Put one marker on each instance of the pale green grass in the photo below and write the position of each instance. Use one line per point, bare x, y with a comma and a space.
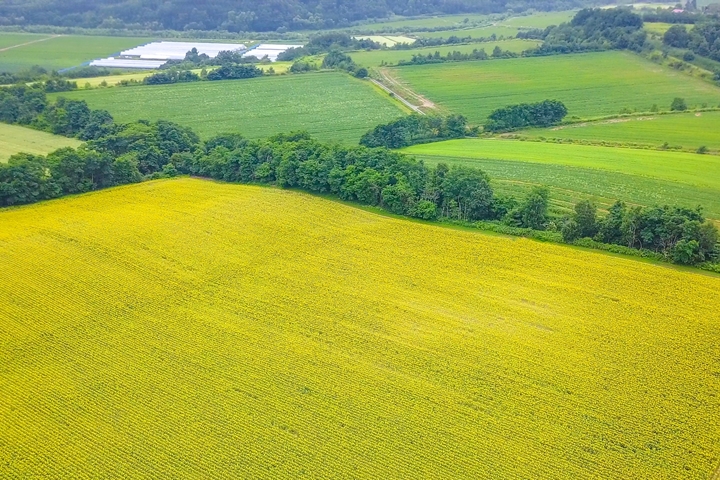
688, 130
14, 139
8, 40
332, 106
540, 19
478, 32
605, 174
449, 21
590, 85
375, 58
657, 28
388, 40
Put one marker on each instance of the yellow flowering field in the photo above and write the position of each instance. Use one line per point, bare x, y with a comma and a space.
192, 329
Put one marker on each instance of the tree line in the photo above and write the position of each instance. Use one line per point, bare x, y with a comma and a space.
414, 129
541, 114
456, 56
591, 30
117, 154
703, 39
680, 234
243, 15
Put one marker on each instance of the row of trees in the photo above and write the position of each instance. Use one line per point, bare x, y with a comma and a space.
373, 176
414, 129
681, 234
456, 56
542, 114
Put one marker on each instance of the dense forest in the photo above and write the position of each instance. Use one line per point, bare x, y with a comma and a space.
243, 15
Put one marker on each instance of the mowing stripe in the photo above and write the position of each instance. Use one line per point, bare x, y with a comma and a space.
29, 43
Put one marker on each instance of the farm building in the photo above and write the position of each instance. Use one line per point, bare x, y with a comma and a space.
156, 54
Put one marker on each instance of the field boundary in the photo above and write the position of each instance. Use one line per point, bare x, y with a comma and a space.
398, 97
29, 43
716, 475
390, 83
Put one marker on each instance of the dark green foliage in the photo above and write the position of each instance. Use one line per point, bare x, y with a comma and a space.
583, 224
171, 76
592, 30
679, 234
532, 212
678, 104
542, 114
703, 39
338, 60
414, 129
234, 72
455, 56
302, 67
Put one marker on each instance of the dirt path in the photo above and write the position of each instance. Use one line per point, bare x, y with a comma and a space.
418, 102
397, 96
29, 43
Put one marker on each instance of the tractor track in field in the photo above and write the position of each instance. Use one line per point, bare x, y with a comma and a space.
29, 43
407, 96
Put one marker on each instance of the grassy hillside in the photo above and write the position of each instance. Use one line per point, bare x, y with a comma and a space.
374, 58
189, 328
64, 51
589, 84
14, 139
331, 106
688, 130
607, 174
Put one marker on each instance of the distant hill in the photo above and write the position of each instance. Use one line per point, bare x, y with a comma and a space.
243, 15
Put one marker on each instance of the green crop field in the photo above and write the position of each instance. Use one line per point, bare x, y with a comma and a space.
448, 21
644, 177
64, 51
590, 85
688, 130
540, 19
14, 139
331, 106
374, 58
477, 32
12, 40
194, 329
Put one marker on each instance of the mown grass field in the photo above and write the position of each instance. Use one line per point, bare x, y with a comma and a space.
14, 139
188, 328
540, 19
606, 174
688, 130
657, 28
65, 51
476, 32
8, 40
590, 85
331, 106
423, 22
374, 58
